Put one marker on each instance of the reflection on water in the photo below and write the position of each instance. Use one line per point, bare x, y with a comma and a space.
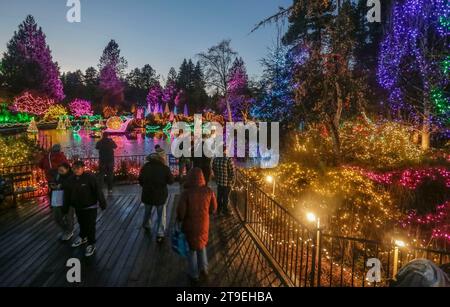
83, 145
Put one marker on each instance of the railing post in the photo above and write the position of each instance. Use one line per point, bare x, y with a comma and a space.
246, 202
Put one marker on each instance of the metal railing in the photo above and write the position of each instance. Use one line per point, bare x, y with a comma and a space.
126, 171
306, 257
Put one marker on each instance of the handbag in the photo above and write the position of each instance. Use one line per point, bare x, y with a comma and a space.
179, 242
57, 198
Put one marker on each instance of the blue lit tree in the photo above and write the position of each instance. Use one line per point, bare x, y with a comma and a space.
410, 63
277, 100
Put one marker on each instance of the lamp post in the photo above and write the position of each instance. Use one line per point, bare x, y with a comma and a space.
271, 180
398, 244
312, 218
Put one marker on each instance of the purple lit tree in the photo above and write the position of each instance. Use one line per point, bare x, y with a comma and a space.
410, 62
238, 91
28, 64
154, 97
111, 67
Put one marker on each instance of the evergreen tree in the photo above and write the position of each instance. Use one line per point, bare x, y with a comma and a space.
73, 84
276, 102
112, 66
238, 92
172, 76
28, 64
139, 82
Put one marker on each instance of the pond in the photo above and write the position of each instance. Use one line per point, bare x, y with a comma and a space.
81, 144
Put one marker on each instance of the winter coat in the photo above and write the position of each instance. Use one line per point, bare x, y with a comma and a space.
196, 204
105, 149
204, 163
84, 192
154, 178
50, 163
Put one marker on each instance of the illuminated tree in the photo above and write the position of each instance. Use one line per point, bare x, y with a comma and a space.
28, 64
80, 108
111, 67
410, 63
31, 103
154, 97
238, 92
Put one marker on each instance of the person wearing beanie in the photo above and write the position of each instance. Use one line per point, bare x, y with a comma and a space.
421, 273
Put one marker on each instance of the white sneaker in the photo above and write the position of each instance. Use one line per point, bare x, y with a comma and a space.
90, 250
66, 236
78, 242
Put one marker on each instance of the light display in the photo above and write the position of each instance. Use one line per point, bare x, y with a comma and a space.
32, 127
54, 113
7, 118
109, 111
32, 104
114, 123
16, 151
410, 49
61, 125
80, 108
440, 101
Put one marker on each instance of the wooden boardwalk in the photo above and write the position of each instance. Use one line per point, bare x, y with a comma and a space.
31, 254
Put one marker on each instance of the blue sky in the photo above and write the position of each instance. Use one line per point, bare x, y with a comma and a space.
156, 32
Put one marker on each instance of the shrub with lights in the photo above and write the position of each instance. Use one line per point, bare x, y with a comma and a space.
32, 103
16, 151
80, 108
55, 113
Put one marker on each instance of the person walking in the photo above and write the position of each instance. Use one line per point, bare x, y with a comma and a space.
85, 196
154, 178
196, 204
51, 162
64, 215
225, 175
106, 147
204, 163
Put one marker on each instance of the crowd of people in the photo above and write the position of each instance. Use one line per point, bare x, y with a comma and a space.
77, 194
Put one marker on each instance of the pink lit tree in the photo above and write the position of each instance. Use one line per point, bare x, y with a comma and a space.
80, 108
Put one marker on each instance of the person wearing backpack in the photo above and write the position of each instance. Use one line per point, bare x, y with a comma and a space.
196, 204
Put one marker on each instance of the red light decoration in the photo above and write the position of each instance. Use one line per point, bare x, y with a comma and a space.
32, 104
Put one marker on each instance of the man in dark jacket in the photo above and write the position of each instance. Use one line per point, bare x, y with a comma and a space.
86, 196
154, 178
105, 149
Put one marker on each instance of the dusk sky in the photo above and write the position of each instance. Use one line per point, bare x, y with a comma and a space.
156, 32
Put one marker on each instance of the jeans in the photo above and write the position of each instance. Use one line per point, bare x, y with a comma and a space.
87, 218
64, 220
107, 170
198, 261
223, 197
161, 219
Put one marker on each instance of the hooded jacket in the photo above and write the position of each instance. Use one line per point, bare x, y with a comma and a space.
50, 163
154, 178
196, 203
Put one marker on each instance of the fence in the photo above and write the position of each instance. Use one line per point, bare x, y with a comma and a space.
126, 171
305, 256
